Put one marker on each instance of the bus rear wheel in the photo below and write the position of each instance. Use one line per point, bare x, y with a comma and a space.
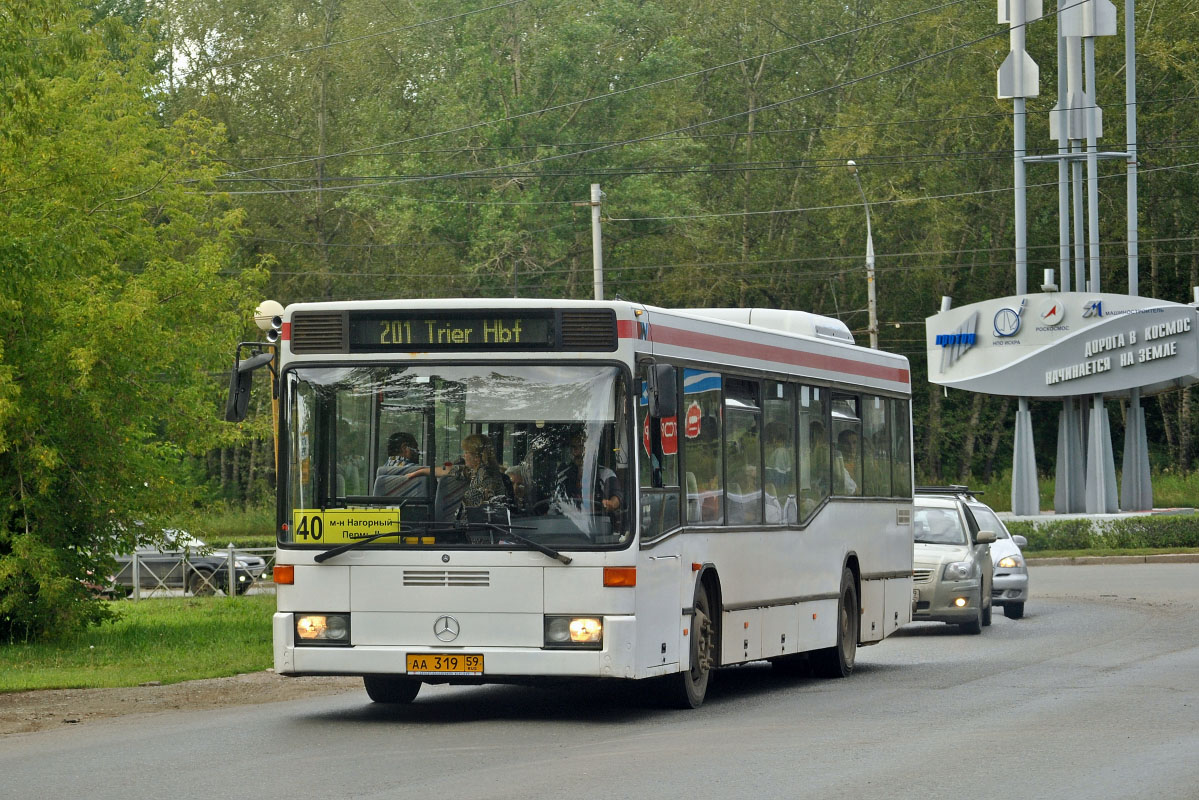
691, 686
391, 689
838, 661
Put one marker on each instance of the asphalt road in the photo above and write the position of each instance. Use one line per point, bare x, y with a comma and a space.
1094, 694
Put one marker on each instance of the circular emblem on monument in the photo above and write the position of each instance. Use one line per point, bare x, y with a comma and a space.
1007, 322
1053, 312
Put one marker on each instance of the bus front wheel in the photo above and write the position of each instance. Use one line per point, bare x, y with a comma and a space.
691, 685
391, 689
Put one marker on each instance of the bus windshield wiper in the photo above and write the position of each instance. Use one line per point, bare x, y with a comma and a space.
502, 528
325, 555
505, 528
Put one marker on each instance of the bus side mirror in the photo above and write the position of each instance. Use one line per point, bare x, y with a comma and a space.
240, 379
663, 392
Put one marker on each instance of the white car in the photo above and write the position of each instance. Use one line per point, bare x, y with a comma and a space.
1010, 588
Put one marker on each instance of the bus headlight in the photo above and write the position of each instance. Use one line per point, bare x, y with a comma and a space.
322, 629
574, 632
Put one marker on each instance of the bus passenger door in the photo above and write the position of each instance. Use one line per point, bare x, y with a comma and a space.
659, 615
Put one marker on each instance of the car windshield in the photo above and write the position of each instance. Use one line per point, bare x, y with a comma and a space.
938, 526
457, 455
987, 521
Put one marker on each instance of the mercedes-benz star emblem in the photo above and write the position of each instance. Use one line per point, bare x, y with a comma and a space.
446, 629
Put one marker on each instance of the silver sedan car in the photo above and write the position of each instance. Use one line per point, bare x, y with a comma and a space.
1010, 587
951, 564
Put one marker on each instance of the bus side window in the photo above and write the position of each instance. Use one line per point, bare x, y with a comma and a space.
876, 447
901, 449
815, 466
847, 445
743, 451
701, 442
779, 432
658, 459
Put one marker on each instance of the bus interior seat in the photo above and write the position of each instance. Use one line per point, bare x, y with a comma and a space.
449, 496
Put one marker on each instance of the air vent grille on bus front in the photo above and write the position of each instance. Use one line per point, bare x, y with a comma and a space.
589, 330
320, 332
447, 577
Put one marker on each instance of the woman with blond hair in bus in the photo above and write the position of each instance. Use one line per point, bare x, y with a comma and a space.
479, 472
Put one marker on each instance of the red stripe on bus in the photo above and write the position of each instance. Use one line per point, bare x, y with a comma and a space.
783, 355
626, 328
285, 334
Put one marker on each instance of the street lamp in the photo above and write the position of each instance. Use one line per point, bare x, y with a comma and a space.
871, 302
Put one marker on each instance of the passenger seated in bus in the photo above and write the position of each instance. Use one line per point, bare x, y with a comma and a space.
401, 476
848, 447
479, 471
605, 495
533, 477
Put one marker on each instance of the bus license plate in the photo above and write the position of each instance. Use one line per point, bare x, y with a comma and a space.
445, 664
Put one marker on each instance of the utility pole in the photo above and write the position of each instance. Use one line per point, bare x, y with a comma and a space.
597, 242
871, 300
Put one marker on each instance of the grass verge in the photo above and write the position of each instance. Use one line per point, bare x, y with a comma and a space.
165, 639
220, 525
1108, 551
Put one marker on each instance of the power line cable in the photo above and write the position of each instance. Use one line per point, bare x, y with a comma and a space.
734, 134
703, 123
616, 92
873, 203
837, 162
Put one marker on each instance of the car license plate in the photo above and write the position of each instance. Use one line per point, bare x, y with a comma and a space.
445, 664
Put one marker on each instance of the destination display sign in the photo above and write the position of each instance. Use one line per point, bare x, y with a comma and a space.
1062, 344
383, 331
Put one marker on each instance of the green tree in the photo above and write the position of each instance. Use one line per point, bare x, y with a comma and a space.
116, 307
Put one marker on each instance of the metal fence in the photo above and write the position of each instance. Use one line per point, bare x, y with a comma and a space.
248, 570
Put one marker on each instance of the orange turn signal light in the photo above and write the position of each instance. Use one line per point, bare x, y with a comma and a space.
284, 573
620, 576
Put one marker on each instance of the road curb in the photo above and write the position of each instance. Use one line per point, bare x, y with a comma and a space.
1164, 558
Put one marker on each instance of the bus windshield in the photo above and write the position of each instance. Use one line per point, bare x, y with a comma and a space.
458, 455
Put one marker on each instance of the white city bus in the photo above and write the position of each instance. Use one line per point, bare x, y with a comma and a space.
475, 491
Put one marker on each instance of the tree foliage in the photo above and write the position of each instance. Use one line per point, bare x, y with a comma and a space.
426, 149
437, 149
115, 307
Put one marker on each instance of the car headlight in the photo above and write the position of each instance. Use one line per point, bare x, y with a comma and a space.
322, 629
585, 633
958, 571
1010, 562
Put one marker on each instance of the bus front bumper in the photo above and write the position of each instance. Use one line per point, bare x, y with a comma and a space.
614, 660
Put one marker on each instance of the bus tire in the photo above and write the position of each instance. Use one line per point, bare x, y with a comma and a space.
691, 685
391, 689
838, 661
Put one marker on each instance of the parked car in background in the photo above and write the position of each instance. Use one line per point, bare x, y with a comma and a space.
951, 561
187, 563
1010, 587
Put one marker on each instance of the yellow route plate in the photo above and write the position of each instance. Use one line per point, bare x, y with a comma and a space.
445, 664
343, 525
